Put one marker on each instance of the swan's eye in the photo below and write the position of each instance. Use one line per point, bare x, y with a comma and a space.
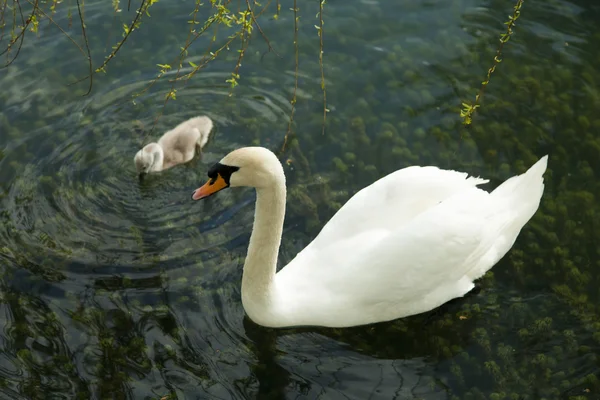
222, 170
218, 179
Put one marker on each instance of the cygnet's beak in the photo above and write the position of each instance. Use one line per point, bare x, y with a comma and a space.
211, 187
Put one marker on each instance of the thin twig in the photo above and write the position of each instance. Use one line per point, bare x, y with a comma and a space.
263, 9
212, 57
87, 46
110, 31
243, 34
129, 30
2, 23
188, 42
21, 35
209, 22
202, 65
119, 45
245, 39
14, 24
469, 109
50, 19
180, 58
260, 29
182, 55
321, 2
293, 101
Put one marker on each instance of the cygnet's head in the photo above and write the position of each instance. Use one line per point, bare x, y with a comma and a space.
145, 158
249, 166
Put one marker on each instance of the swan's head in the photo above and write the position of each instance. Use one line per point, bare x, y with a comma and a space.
145, 158
249, 166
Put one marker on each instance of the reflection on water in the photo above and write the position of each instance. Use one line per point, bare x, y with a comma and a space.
116, 288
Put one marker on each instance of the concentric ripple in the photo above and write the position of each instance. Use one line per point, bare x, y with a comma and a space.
79, 197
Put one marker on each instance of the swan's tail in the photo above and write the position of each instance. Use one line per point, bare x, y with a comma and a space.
522, 193
516, 201
204, 125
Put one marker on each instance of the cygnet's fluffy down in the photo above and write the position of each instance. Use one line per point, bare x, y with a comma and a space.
176, 146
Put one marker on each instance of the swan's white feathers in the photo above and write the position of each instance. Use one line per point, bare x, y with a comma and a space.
407, 192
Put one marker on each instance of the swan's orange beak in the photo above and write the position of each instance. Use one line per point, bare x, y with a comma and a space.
212, 186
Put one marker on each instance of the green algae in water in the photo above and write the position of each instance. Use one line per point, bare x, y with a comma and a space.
68, 225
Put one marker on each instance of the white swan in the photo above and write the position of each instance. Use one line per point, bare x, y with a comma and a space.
406, 244
176, 146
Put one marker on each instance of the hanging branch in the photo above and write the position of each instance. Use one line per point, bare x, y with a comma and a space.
128, 30
87, 47
244, 20
293, 101
51, 20
259, 28
221, 17
469, 109
2, 21
135, 23
25, 24
320, 30
246, 23
165, 67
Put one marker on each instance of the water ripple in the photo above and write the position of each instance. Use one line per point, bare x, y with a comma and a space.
79, 197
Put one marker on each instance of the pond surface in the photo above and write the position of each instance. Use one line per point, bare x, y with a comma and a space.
112, 288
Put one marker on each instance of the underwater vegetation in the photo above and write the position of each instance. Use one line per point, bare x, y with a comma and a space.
115, 289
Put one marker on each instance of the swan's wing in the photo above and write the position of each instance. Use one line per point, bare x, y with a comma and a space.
179, 144
433, 250
436, 248
392, 201
189, 133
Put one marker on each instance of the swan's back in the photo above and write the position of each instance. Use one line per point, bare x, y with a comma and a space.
391, 201
188, 134
180, 143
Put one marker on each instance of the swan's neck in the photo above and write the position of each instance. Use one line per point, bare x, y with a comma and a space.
261, 260
158, 157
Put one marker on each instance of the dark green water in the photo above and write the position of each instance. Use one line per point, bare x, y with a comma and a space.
115, 289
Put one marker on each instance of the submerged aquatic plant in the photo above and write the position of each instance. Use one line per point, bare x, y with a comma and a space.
531, 333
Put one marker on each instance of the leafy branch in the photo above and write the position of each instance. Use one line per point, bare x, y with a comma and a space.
164, 68
24, 26
222, 16
135, 24
87, 47
241, 21
468, 110
245, 20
